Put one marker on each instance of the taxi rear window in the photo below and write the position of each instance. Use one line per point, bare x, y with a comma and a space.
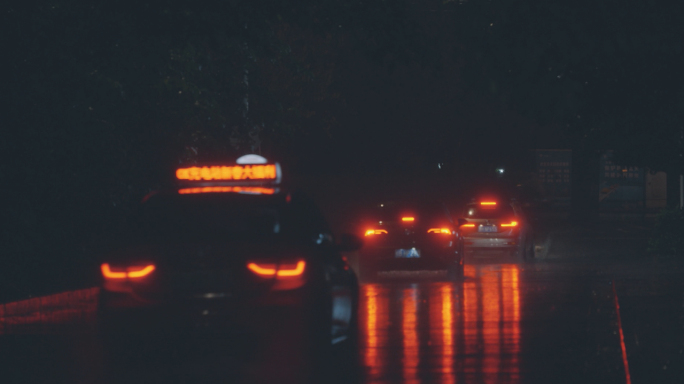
216, 217
475, 211
423, 213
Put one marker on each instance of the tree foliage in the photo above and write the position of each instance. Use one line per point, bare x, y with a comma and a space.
608, 71
105, 97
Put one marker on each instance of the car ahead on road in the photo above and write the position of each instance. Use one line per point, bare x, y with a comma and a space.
492, 224
230, 253
410, 236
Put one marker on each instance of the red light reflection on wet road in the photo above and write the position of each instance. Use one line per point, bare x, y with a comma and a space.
471, 333
410, 336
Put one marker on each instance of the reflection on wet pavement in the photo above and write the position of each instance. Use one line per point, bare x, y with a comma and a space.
450, 332
534, 323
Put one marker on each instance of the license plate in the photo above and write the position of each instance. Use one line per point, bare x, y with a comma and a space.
410, 253
487, 228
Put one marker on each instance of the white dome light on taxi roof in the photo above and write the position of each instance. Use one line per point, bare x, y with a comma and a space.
251, 159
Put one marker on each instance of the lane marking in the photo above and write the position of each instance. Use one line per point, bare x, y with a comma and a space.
628, 378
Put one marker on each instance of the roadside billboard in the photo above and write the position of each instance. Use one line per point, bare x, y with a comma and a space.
553, 175
621, 188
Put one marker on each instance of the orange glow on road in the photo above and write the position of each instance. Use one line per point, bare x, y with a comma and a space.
447, 335
408, 219
492, 304
372, 326
625, 361
233, 172
130, 272
248, 190
444, 231
491, 312
410, 336
376, 317
465, 332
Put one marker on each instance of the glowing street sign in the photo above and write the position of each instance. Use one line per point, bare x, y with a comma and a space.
232, 172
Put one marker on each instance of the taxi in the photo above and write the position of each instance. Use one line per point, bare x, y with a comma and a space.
228, 251
401, 236
492, 224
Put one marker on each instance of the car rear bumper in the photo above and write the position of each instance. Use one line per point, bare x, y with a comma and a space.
491, 242
385, 259
124, 313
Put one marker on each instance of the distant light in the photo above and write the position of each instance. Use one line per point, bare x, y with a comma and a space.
500, 171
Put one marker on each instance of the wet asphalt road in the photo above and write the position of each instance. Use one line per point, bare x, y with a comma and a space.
580, 314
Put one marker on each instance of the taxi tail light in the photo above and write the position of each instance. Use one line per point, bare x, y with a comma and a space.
371, 232
468, 226
284, 269
132, 272
443, 231
511, 224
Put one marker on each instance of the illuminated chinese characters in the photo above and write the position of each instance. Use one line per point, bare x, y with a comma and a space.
233, 172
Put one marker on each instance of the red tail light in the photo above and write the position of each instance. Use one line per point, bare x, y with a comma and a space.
126, 272
445, 231
408, 219
371, 232
466, 226
285, 269
511, 224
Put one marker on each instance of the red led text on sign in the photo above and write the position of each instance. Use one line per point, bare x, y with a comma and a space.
233, 172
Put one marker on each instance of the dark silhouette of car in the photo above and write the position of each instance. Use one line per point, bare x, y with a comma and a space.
410, 236
243, 261
492, 224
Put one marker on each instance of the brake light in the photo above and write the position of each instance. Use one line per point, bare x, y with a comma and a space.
511, 224
488, 203
445, 231
468, 225
281, 270
130, 272
371, 232
408, 219
286, 270
263, 269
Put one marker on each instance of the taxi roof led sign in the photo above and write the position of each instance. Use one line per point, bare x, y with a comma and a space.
246, 172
